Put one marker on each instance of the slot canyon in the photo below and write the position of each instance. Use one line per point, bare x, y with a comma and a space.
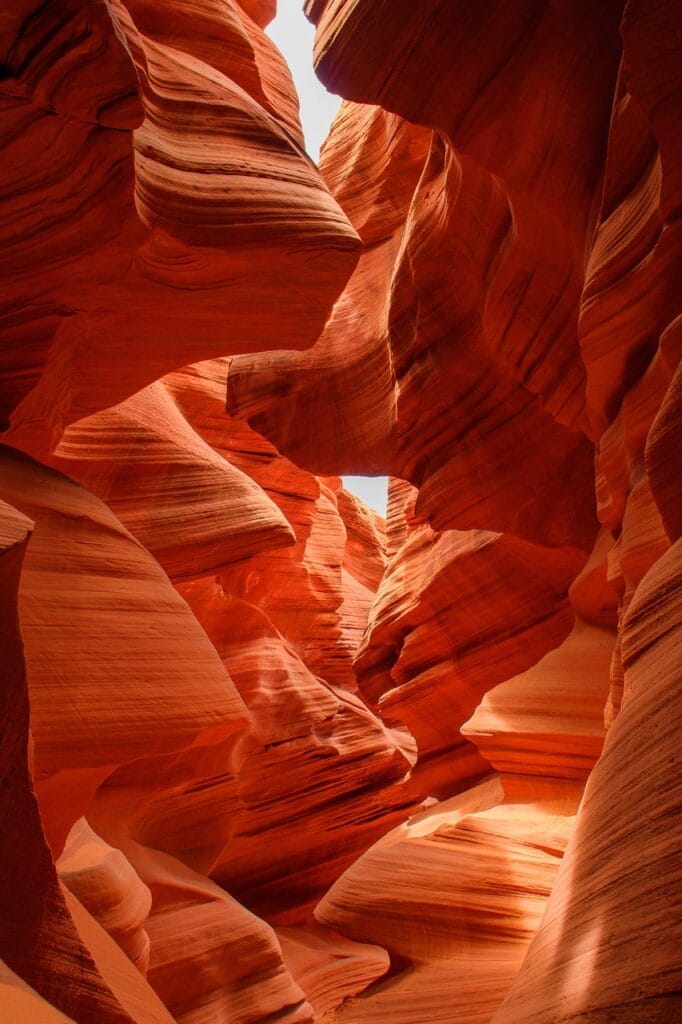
267, 756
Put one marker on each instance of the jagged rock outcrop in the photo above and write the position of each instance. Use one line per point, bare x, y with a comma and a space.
266, 756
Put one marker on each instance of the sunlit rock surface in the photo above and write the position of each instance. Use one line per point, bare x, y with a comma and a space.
266, 756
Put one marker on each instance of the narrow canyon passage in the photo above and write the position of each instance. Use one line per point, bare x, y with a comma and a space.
267, 755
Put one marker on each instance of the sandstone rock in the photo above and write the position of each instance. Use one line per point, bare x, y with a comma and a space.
163, 225
211, 958
117, 666
456, 614
44, 960
329, 968
662, 456
312, 748
193, 510
472, 267
108, 887
435, 892
384, 738
615, 882
126, 982
18, 1001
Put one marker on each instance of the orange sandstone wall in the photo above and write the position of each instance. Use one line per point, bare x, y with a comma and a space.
266, 756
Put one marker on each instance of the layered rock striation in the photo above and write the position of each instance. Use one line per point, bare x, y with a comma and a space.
267, 756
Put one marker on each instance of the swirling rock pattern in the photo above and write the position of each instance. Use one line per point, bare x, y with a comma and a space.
85, 592
42, 950
330, 968
194, 511
265, 755
142, 201
107, 885
461, 312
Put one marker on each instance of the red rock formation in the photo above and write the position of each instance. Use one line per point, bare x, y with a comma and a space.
42, 947
468, 878
211, 957
482, 254
194, 511
106, 884
18, 1001
102, 623
318, 592
287, 761
617, 879
601, 900
310, 747
457, 613
482, 107
136, 201
455, 894
330, 968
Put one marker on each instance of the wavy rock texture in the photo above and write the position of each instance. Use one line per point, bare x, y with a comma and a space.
42, 950
102, 623
603, 897
113, 652
210, 958
107, 885
455, 895
444, 276
457, 612
194, 511
318, 592
286, 625
571, 971
161, 226
489, 282
266, 756
330, 968
310, 747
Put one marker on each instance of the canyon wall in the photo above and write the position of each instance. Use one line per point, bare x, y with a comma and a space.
267, 756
